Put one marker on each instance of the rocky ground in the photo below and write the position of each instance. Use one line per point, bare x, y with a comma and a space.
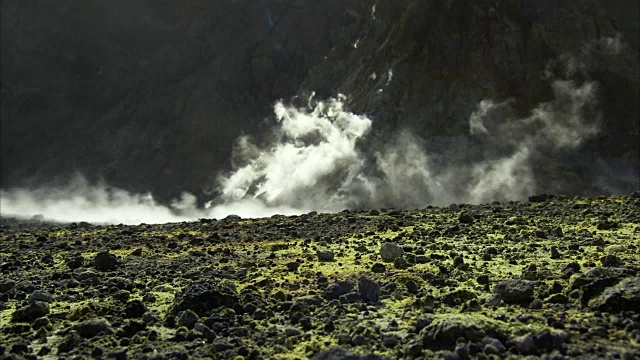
552, 277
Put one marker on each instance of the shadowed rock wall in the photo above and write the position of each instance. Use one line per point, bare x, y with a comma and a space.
149, 95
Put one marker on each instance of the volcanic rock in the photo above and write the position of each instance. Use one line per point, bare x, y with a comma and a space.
515, 291
390, 252
204, 296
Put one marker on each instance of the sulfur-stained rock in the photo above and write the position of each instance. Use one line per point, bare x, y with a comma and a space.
515, 291
624, 296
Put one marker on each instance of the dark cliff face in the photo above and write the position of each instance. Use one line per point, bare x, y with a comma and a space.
150, 95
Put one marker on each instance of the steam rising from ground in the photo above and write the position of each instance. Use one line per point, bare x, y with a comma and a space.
321, 158
81, 201
316, 163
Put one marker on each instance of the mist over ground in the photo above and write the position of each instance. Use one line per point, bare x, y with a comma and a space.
369, 115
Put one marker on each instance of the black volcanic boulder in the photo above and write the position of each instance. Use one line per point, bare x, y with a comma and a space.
516, 291
443, 332
624, 296
105, 261
34, 310
338, 289
595, 281
204, 296
369, 290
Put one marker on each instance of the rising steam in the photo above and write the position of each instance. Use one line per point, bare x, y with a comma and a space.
317, 160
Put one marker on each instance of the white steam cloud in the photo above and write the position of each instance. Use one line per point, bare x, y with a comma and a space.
81, 201
315, 162
320, 159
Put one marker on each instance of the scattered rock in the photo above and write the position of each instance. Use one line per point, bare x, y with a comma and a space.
28, 313
41, 322
105, 261
624, 296
390, 252
378, 268
482, 279
515, 291
75, 261
135, 309
40, 295
524, 344
342, 354
220, 344
187, 319
90, 328
334, 291
465, 218
400, 263
557, 299
444, 332
325, 255
369, 290
69, 342
204, 296
7, 285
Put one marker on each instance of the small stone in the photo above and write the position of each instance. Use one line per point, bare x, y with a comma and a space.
118, 354
378, 268
325, 255
40, 295
524, 344
491, 250
34, 310
105, 261
390, 252
493, 300
557, 299
400, 263
389, 340
610, 261
187, 319
624, 296
465, 218
497, 344
150, 318
69, 342
359, 340
293, 266
515, 291
535, 304
41, 322
444, 332
482, 279
490, 350
203, 296
369, 290
220, 344
7, 285
75, 261
90, 328
412, 287
458, 261
334, 291
555, 254
135, 309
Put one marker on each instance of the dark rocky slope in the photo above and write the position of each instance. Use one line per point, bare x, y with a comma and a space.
150, 95
549, 278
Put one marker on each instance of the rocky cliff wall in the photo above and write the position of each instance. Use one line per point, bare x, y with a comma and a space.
150, 95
